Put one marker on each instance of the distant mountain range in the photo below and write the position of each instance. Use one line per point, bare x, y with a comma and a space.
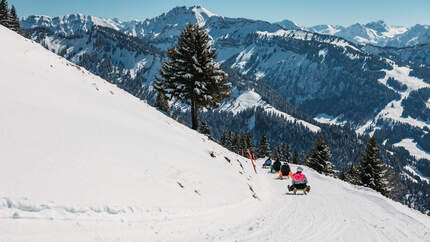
328, 79
375, 33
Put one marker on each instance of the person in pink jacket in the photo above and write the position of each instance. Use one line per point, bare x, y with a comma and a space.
299, 181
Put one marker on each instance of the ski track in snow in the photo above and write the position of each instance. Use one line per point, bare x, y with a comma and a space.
333, 211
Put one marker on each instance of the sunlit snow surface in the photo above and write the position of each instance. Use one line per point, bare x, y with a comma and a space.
82, 160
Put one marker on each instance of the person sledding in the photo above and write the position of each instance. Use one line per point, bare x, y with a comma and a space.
276, 166
267, 163
285, 171
299, 182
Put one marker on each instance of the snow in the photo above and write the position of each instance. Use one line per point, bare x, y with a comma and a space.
393, 110
322, 53
413, 148
394, 30
417, 173
259, 75
302, 35
200, 12
328, 119
250, 99
243, 58
83, 160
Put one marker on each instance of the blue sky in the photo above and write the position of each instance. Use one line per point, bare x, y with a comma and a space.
303, 12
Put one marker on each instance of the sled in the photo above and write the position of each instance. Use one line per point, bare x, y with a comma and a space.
303, 190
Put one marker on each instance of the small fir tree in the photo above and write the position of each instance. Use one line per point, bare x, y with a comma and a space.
225, 139
205, 129
250, 142
14, 21
161, 103
319, 158
243, 144
235, 143
276, 153
285, 152
351, 175
264, 147
191, 74
296, 158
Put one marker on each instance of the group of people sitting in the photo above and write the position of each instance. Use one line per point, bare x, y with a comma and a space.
299, 180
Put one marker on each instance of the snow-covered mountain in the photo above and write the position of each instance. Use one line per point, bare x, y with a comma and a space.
288, 24
325, 76
83, 160
378, 33
326, 29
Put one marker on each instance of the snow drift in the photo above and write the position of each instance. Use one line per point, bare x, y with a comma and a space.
82, 160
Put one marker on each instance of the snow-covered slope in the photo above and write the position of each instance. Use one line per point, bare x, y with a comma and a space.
249, 99
69, 24
84, 161
72, 138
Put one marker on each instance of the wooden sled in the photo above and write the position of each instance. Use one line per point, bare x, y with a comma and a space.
303, 190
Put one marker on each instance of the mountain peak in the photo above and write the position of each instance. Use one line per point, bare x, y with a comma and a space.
288, 24
193, 14
202, 10
378, 26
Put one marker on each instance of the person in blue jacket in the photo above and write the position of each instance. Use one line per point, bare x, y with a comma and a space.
267, 163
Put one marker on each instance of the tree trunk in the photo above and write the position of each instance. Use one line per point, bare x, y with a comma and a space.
194, 116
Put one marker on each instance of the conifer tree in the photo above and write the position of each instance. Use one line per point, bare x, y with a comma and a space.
243, 143
161, 103
276, 154
235, 142
285, 154
191, 74
351, 175
296, 158
205, 129
263, 147
4, 13
14, 21
225, 137
371, 170
319, 158
250, 142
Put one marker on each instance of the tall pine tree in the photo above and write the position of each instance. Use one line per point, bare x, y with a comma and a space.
4, 13
263, 147
319, 158
191, 74
371, 170
14, 21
